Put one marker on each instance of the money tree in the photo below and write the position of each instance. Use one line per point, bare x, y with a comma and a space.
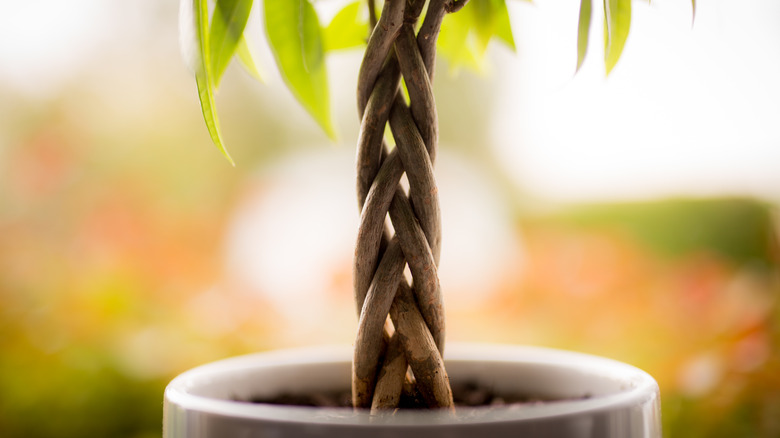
400, 337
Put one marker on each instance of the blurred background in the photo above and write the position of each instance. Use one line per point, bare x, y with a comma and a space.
632, 217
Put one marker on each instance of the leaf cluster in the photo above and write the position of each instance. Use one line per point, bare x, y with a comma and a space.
300, 43
617, 22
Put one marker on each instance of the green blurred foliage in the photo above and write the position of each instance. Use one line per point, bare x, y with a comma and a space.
739, 229
79, 392
348, 29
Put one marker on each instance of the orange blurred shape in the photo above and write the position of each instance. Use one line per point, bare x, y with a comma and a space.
41, 165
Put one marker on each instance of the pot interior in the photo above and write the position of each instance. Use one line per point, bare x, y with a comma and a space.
538, 373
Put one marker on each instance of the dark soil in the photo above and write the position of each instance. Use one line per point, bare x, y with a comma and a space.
469, 394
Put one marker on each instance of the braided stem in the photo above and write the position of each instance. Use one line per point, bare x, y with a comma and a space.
413, 338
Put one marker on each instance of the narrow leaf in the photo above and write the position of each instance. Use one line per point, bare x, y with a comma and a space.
503, 26
617, 22
248, 60
693, 14
347, 30
483, 20
466, 35
583, 32
203, 75
454, 43
490, 19
227, 29
295, 38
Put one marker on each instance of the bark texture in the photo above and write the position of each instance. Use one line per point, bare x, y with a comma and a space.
401, 326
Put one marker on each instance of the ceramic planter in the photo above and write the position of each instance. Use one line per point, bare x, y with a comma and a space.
601, 397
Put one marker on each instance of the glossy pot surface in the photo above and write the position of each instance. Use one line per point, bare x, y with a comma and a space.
600, 398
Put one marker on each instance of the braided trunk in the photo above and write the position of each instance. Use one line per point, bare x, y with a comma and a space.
412, 338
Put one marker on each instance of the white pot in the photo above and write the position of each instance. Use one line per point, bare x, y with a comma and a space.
606, 398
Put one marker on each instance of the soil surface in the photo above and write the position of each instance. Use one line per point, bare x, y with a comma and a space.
465, 395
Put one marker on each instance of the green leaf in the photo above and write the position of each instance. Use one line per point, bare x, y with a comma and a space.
227, 29
348, 29
204, 76
456, 43
583, 32
483, 20
503, 26
617, 22
466, 35
693, 15
295, 38
489, 19
247, 60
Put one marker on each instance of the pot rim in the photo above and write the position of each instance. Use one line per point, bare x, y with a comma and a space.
636, 387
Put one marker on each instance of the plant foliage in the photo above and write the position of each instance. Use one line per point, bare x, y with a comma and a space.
226, 32
300, 43
295, 37
465, 36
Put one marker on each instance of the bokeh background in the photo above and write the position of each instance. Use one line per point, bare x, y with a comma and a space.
632, 217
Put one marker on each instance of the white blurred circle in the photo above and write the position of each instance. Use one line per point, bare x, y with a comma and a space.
292, 236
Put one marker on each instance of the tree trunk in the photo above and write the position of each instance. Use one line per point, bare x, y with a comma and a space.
412, 337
